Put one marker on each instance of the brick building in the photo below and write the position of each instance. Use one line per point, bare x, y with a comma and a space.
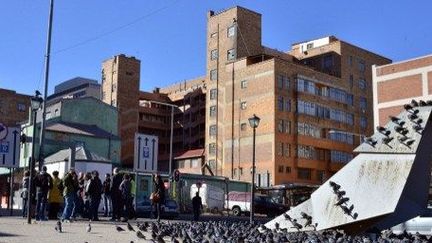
14, 107
398, 83
311, 101
145, 112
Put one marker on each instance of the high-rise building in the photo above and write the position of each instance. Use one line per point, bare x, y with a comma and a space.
398, 83
313, 102
120, 88
77, 87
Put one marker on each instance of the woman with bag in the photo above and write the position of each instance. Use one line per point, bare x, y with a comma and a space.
158, 195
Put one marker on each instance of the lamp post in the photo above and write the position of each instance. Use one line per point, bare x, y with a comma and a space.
253, 122
172, 131
36, 103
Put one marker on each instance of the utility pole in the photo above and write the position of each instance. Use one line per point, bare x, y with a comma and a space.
47, 64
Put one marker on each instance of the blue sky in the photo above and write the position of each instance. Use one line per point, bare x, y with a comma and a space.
168, 36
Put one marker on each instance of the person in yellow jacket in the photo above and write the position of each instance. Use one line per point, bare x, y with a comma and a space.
55, 197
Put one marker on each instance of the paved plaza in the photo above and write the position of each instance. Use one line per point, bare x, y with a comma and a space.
14, 229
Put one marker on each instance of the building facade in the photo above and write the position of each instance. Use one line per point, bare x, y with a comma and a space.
14, 107
398, 83
76, 88
312, 102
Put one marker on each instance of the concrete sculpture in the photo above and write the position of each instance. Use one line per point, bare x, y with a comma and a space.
385, 184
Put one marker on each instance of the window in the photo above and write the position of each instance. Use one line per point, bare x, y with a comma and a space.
328, 62
304, 174
243, 105
213, 35
350, 99
181, 164
281, 169
361, 65
56, 112
306, 152
280, 103
194, 163
320, 175
351, 81
129, 73
212, 163
212, 148
231, 31
363, 103
308, 130
284, 126
341, 136
231, 54
340, 157
21, 107
362, 84
214, 54
363, 122
287, 169
212, 130
213, 94
243, 126
286, 149
350, 60
309, 46
243, 84
212, 111
213, 74
113, 102
280, 81
288, 105
48, 115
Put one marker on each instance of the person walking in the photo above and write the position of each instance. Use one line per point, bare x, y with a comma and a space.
24, 192
85, 197
94, 189
55, 197
106, 196
158, 195
43, 184
197, 206
116, 196
125, 189
70, 184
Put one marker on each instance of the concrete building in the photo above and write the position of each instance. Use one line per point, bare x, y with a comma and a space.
311, 100
77, 87
398, 83
86, 122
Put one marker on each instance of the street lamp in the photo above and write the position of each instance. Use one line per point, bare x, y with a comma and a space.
253, 122
35, 103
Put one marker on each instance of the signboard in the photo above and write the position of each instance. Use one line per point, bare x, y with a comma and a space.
9, 146
146, 153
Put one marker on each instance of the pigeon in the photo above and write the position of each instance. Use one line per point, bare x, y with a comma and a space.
119, 229
342, 201
414, 103
88, 228
130, 228
340, 194
287, 217
410, 142
407, 107
140, 235
58, 227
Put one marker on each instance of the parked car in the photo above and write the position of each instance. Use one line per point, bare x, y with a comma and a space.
239, 202
212, 198
169, 209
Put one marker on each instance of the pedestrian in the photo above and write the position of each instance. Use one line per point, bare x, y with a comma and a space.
116, 196
158, 195
70, 184
94, 190
125, 189
197, 206
43, 184
55, 197
25, 191
78, 208
132, 212
106, 196
85, 196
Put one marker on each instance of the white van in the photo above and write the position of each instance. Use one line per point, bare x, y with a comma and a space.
212, 197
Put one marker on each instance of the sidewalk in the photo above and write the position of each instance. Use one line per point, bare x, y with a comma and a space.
16, 229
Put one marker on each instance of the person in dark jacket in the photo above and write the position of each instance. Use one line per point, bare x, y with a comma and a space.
197, 206
94, 191
43, 182
25, 191
116, 196
106, 196
125, 189
158, 195
70, 188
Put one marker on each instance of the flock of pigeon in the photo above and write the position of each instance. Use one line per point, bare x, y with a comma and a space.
241, 231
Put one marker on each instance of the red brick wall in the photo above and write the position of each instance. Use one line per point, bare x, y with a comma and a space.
400, 67
400, 88
384, 114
